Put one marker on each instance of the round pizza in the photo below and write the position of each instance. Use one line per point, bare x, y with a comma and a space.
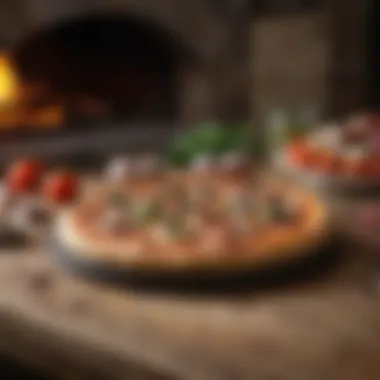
348, 152
218, 213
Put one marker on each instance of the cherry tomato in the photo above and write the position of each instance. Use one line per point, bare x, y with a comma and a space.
359, 168
301, 154
24, 175
61, 188
298, 151
328, 163
374, 121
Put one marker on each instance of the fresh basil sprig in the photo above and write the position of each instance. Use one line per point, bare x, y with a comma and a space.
214, 139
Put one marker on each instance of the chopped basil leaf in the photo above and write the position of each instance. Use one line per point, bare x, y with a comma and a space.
242, 203
278, 211
213, 139
119, 200
147, 211
175, 229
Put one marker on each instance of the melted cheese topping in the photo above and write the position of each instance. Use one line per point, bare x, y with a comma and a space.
354, 153
328, 137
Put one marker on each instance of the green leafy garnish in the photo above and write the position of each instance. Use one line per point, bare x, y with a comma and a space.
175, 228
212, 139
119, 200
146, 212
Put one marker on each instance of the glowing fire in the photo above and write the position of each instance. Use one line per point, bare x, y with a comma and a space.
9, 82
15, 109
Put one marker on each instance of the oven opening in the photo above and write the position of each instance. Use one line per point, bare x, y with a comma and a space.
90, 70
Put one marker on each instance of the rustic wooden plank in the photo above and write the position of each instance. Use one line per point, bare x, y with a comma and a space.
295, 333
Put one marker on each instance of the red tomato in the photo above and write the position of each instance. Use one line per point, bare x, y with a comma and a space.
24, 175
61, 188
301, 154
374, 121
327, 163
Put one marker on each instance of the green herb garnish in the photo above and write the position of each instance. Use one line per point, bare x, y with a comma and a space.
212, 139
146, 212
119, 200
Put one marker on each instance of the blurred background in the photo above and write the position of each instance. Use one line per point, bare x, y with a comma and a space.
81, 64
167, 60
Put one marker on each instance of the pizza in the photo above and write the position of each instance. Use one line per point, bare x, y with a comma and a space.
218, 213
348, 150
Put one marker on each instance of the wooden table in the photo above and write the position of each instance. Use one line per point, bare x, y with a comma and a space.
328, 328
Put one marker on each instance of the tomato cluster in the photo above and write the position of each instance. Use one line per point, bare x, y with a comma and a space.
29, 175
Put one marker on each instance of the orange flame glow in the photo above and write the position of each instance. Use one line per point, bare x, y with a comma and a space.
14, 110
9, 82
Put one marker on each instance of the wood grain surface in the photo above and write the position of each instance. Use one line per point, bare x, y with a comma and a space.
325, 328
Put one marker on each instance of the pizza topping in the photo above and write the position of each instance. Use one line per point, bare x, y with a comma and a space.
241, 202
356, 129
171, 229
281, 209
119, 170
203, 163
145, 211
234, 161
368, 219
242, 210
328, 137
174, 200
216, 241
202, 196
194, 222
355, 153
115, 221
245, 224
119, 200
374, 121
24, 175
147, 166
375, 143
245, 212
178, 223
175, 230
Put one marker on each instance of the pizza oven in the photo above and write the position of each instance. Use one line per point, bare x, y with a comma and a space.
83, 63
125, 70
96, 68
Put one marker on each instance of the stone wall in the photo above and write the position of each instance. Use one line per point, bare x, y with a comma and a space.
349, 26
291, 63
12, 22
312, 59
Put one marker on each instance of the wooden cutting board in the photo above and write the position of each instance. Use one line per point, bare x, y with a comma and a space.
328, 327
